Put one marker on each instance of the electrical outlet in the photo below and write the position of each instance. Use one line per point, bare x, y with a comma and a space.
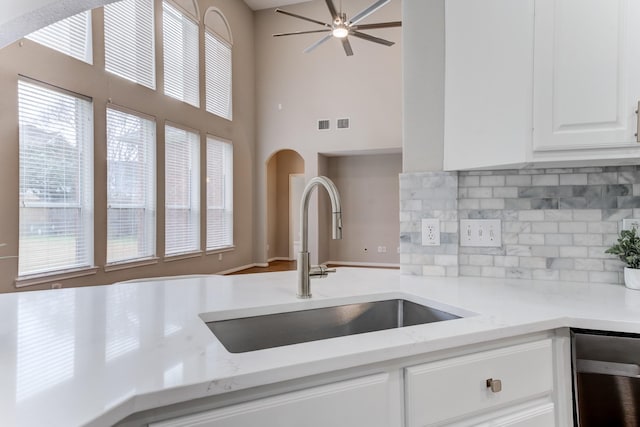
430, 232
481, 232
629, 223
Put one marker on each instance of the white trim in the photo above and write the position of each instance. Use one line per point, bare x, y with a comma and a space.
115, 266
38, 279
280, 258
364, 264
178, 257
221, 250
242, 267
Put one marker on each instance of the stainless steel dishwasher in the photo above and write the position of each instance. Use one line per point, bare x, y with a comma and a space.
606, 379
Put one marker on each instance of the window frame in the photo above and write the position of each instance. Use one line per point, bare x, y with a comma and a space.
172, 8
195, 190
85, 203
151, 206
153, 76
228, 191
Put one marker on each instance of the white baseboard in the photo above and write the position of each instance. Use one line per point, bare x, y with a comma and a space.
364, 264
280, 258
242, 267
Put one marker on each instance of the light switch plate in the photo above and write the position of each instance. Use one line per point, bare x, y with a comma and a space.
430, 232
481, 232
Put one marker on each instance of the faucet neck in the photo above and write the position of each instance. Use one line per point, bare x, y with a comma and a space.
336, 209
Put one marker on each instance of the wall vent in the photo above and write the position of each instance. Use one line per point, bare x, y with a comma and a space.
323, 124
343, 124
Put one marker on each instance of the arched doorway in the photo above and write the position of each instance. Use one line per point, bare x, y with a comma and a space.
285, 182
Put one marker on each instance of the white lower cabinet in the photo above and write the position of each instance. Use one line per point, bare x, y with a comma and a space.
518, 384
445, 391
360, 402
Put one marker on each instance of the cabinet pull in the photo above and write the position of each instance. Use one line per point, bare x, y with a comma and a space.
494, 385
638, 123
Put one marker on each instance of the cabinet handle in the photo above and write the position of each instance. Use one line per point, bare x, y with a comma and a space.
494, 385
638, 123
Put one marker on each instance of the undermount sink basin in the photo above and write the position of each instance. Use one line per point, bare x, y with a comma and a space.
274, 330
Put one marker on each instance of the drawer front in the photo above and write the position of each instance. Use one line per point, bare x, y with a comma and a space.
360, 402
457, 387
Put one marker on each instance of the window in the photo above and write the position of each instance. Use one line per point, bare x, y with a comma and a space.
56, 181
128, 41
71, 36
131, 190
181, 60
218, 75
219, 194
182, 191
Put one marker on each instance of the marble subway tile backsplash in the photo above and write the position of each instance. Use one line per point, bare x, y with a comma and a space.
556, 223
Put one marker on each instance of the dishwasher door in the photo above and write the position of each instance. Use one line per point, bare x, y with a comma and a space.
606, 379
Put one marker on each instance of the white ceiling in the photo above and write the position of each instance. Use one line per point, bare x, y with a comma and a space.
266, 4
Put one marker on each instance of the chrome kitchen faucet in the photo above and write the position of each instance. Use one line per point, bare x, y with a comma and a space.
305, 271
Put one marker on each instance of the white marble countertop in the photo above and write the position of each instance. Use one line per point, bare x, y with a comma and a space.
92, 356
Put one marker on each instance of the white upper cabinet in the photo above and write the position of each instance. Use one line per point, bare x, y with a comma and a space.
541, 82
586, 74
488, 82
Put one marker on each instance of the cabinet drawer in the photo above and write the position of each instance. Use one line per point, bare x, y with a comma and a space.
456, 387
359, 402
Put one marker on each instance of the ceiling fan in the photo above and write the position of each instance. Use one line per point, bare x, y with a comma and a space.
341, 27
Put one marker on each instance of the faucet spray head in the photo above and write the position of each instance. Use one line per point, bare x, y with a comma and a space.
337, 226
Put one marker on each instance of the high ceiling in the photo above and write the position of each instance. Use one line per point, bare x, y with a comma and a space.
266, 4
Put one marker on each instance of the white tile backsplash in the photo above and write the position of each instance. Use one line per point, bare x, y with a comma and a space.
556, 223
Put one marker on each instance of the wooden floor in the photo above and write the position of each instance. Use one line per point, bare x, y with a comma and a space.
273, 266
282, 266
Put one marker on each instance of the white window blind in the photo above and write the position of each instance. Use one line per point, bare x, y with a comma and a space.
71, 36
181, 59
131, 190
56, 179
182, 191
129, 41
219, 194
218, 76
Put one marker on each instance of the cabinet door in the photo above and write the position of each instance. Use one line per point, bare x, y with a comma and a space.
488, 82
586, 74
360, 402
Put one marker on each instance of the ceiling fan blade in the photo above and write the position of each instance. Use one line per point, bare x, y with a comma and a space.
332, 10
347, 46
300, 32
368, 11
379, 25
318, 43
371, 38
284, 12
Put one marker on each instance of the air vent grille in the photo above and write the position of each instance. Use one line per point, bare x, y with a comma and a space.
323, 124
343, 123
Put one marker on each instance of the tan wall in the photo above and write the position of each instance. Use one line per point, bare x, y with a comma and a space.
369, 190
294, 90
37, 62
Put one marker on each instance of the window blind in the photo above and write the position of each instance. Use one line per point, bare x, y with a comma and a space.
181, 59
182, 191
131, 190
129, 41
218, 76
219, 194
56, 179
71, 36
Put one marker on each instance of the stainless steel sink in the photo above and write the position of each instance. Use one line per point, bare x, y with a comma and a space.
274, 330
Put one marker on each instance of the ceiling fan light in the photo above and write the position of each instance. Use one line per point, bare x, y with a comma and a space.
340, 32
